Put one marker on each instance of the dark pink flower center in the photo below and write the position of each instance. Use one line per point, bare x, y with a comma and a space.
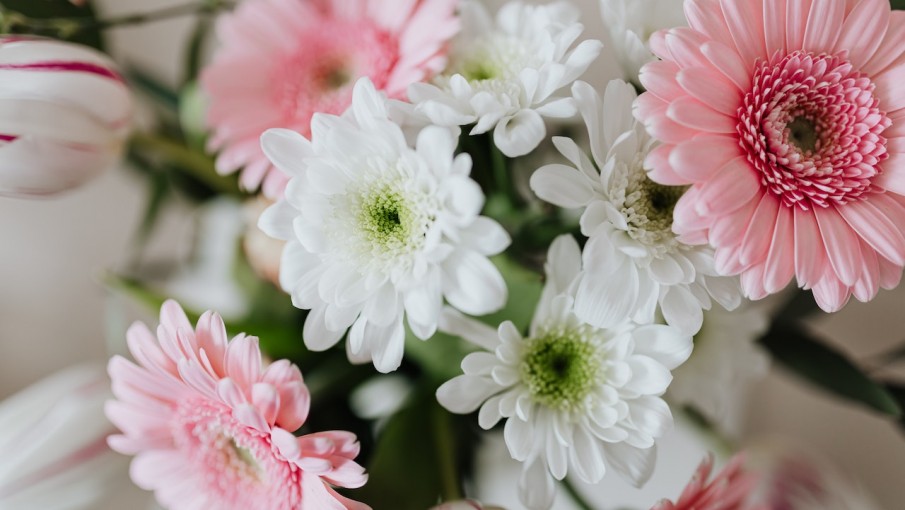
812, 127
238, 464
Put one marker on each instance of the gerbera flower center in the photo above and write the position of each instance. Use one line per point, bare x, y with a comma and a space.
561, 367
317, 76
812, 127
648, 208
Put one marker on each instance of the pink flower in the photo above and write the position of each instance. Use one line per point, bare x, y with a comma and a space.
284, 60
65, 114
732, 489
212, 428
787, 117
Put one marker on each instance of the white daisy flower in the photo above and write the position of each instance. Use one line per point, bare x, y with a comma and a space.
378, 231
630, 23
632, 259
725, 362
576, 398
505, 76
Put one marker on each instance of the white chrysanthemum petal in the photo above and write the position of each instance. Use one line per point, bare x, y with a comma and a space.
473, 284
536, 486
519, 436
376, 229
505, 77
575, 396
465, 393
519, 134
634, 260
634, 464
478, 333
663, 344
587, 457
681, 309
317, 336
562, 185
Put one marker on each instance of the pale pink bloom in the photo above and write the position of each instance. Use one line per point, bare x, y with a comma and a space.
211, 426
732, 489
65, 113
284, 60
787, 117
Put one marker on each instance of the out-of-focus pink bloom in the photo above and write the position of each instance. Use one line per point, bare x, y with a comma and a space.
282, 61
263, 252
65, 113
794, 480
731, 489
211, 426
53, 450
787, 118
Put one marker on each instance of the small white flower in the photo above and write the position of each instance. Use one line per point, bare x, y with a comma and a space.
378, 231
633, 261
725, 362
630, 24
505, 76
575, 397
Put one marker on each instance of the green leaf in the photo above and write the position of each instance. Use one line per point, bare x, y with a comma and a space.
419, 457
898, 4
827, 368
800, 306
42, 9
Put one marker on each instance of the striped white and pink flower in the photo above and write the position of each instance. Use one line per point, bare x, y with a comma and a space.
65, 112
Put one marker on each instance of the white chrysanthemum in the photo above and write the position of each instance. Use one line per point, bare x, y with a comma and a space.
630, 23
505, 76
378, 231
725, 362
632, 260
576, 398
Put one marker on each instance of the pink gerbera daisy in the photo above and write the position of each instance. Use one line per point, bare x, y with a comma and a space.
212, 428
732, 489
787, 117
284, 60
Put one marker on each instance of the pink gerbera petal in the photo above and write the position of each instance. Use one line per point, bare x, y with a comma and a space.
731, 489
809, 94
282, 61
214, 433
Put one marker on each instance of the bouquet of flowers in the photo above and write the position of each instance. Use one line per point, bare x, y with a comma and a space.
454, 228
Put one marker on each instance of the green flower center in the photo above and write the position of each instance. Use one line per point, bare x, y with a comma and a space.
561, 368
386, 220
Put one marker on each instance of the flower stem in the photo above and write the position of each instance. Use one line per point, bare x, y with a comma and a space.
575, 495
444, 444
11, 21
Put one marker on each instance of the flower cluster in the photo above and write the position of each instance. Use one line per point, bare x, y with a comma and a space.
749, 144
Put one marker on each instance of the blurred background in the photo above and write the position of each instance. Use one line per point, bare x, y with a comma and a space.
55, 311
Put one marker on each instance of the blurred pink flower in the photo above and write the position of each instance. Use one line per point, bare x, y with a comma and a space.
787, 117
732, 489
211, 427
65, 113
282, 61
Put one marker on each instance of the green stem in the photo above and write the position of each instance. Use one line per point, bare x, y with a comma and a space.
501, 172
11, 21
575, 495
446, 454
193, 163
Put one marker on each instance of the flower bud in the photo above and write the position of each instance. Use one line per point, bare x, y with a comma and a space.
64, 115
53, 449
